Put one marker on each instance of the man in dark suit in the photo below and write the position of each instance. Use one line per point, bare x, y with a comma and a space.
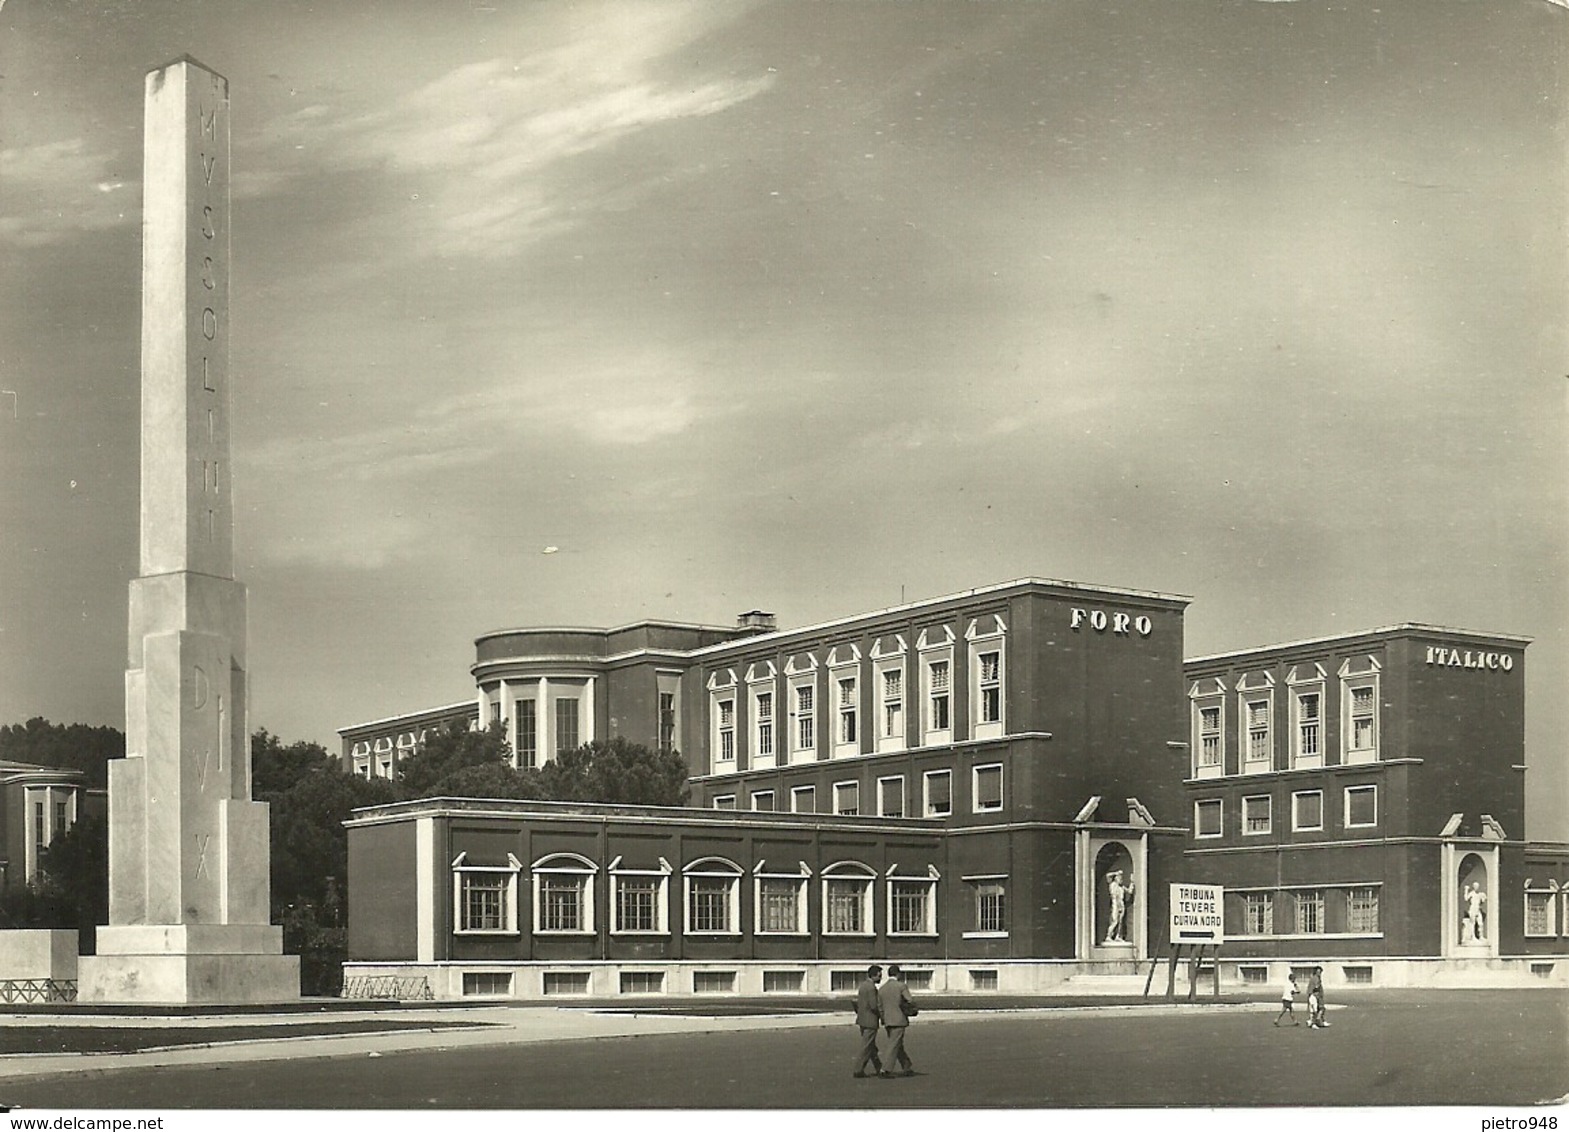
868, 1015
897, 1010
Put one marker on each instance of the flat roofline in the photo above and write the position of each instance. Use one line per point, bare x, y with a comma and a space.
979, 591
1405, 628
474, 703
541, 807
652, 623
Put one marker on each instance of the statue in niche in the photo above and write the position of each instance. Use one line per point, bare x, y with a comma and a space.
1473, 928
1120, 893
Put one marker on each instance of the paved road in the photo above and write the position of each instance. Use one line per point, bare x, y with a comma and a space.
1450, 1048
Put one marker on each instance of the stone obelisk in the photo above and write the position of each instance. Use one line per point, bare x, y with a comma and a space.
188, 849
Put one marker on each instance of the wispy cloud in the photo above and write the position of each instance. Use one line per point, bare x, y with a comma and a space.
477, 144
57, 189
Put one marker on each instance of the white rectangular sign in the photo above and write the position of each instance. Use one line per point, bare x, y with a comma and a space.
1198, 913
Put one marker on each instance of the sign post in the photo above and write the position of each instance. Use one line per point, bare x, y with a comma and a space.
1197, 921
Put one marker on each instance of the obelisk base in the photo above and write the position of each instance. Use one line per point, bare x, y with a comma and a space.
177, 964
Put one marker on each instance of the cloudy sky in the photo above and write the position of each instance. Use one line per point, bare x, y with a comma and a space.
807, 307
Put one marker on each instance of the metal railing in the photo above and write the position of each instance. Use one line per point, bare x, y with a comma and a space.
399, 987
37, 990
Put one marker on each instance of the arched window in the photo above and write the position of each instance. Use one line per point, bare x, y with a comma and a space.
564, 895
713, 897
847, 898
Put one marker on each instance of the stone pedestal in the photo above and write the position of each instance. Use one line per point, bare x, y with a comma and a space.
189, 964
38, 953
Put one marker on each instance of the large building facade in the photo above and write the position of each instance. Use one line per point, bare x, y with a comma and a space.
38, 804
995, 788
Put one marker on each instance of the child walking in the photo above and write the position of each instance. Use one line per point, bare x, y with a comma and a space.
1316, 1000
1288, 998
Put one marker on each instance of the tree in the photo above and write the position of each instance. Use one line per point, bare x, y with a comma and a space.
616, 770
71, 889
275, 767
489, 780
76, 746
310, 854
428, 772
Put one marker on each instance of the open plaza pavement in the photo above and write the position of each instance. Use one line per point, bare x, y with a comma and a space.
1384, 1047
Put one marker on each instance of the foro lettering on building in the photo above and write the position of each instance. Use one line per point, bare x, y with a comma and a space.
1469, 658
1118, 623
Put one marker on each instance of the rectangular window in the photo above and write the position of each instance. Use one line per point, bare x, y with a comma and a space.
708, 903
1207, 818
484, 902
565, 982
991, 906
986, 784
667, 721
1256, 812
763, 800
764, 705
939, 692
40, 838
844, 906
939, 793
847, 706
990, 687
724, 801
713, 982
983, 980
783, 982
805, 718
1209, 736
1361, 806
487, 984
845, 980
526, 733
1258, 731
1258, 913
725, 751
566, 724
1309, 723
642, 982
1539, 913
561, 902
779, 904
1361, 719
893, 704
847, 798
890, 797
1362, 909
637, 903
1307, 809
1361, 731
1310, 912
910, 906
803, 800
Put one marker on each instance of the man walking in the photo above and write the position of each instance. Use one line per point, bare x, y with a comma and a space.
897, 1010
868, 1014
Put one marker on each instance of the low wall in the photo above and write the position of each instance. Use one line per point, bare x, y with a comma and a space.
41, 953
530, 981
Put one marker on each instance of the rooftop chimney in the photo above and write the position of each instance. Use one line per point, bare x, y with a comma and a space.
756, 621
